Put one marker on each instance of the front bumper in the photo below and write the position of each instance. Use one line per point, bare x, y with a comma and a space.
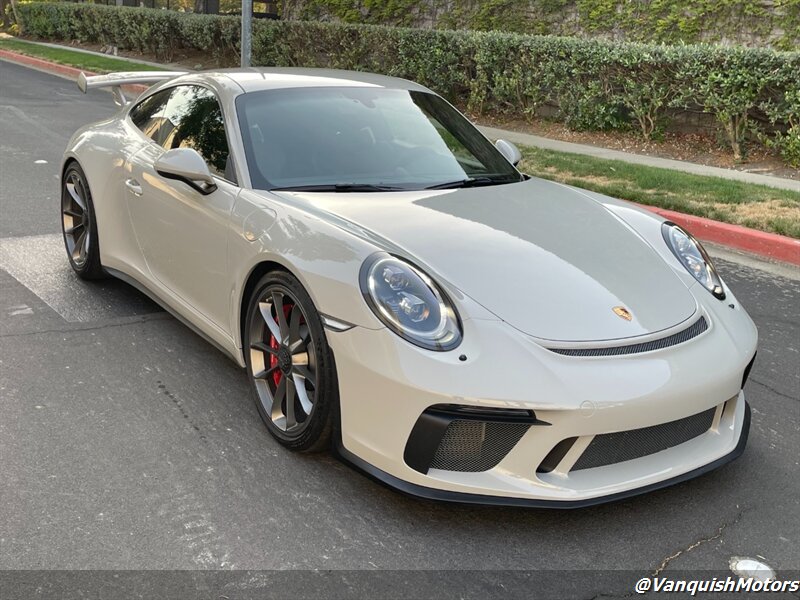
428, 493
386, 384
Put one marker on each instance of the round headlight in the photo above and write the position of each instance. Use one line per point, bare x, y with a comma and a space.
410, 303
694, 257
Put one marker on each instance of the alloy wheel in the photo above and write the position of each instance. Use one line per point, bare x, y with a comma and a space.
283, 360
75, 216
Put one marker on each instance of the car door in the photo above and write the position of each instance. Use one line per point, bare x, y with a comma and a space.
182, 233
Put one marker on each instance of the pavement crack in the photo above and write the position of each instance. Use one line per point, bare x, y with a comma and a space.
772, 389
133, 321
700, 542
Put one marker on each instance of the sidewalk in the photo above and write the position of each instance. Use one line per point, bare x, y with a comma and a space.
526, 139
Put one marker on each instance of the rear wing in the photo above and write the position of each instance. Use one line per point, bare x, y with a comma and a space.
115, 81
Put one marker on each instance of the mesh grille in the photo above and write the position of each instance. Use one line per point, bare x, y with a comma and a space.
612, 448
475, 445
690, 332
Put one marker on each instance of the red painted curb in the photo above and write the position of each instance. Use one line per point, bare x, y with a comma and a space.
769, 245
57, 69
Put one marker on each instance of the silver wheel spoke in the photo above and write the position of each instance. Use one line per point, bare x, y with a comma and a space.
302, 394
291, 420
78, 251
277, 400
304, 373
76, 197
294, 325
265, 373
74, 229
266, 313
264, 347
303, 340
277, 300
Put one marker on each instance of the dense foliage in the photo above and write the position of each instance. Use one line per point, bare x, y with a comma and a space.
752, 94
755, 22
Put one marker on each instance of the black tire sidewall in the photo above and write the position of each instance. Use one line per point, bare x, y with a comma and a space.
316, 436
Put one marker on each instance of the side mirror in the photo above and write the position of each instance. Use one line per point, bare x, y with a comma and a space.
509, 150
185, 164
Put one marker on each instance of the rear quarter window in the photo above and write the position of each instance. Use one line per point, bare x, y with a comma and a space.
148, 115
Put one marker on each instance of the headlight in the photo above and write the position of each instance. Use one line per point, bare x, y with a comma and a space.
409, 303
694, 257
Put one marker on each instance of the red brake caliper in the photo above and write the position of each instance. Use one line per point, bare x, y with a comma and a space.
275, 344
273, 361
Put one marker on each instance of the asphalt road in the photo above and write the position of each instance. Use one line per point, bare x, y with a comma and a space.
128, 442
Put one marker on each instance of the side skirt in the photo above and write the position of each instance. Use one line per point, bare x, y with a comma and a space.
166, 306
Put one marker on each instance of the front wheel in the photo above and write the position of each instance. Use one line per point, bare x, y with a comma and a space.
289, 364
79, 225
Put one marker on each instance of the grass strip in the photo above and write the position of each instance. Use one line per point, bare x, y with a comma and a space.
79, 60
740, 203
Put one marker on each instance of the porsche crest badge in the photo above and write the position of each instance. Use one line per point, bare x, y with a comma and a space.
622, 313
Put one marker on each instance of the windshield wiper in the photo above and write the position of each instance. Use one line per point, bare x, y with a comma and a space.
340, 187
467, 183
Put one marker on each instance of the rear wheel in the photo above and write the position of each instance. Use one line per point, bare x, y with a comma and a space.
290, 367
79, 225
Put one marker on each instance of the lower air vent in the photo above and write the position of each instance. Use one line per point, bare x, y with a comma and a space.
474, 446
611, 448
690, 332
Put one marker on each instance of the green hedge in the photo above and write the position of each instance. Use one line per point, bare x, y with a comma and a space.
749, 22
594, 84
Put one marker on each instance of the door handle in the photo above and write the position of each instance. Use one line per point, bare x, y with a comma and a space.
134, 187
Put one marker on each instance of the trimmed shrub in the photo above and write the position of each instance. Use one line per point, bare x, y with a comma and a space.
594, 84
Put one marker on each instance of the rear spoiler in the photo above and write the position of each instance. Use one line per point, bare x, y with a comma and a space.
116, 80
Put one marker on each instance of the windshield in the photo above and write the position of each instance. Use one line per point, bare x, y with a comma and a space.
357, 139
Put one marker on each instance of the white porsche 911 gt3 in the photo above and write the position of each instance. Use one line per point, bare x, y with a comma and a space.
394, 286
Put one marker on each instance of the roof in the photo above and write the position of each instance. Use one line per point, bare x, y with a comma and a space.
257, 79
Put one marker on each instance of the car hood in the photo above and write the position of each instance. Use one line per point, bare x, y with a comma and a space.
547, 259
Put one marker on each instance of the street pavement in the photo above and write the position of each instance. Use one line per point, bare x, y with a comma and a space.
128, 442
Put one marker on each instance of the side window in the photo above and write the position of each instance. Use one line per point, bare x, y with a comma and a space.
193, 119
147, 115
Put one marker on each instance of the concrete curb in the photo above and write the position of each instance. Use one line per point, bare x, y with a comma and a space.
768, 245
56, 69
156, 65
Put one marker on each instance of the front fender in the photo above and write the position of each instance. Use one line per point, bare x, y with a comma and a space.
324, 258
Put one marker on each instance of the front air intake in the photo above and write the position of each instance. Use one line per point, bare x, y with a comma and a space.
475, 446
464, 438
611, 448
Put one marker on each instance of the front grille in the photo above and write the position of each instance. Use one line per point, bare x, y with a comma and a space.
687, 334
612, 448
474, 446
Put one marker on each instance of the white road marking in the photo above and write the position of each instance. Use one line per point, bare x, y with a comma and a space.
39, 262
20, 309
40, 162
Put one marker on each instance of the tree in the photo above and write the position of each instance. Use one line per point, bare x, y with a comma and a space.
14, 10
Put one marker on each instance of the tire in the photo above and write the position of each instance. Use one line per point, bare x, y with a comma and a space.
79, 225
290, 367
